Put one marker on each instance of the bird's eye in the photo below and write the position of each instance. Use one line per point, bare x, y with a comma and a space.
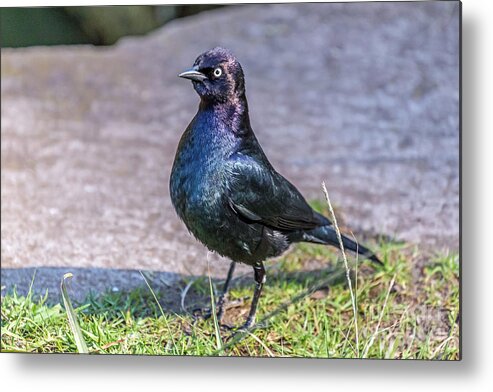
218, 72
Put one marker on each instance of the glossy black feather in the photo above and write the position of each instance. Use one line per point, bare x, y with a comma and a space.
224, 188
259, 193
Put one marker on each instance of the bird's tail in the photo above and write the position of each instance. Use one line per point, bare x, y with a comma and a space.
327, 235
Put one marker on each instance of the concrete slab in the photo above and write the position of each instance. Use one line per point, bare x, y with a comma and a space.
364, 96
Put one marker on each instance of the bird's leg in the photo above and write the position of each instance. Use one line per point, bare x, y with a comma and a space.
259, 272
220, 302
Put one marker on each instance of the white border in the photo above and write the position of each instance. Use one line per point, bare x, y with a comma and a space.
75, 373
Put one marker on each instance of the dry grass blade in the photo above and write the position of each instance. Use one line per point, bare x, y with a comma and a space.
219, 341
72, 317
372, 339
184, 294
261, 343
348, 271
170, 334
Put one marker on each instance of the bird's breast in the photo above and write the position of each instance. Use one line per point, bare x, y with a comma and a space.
198, 182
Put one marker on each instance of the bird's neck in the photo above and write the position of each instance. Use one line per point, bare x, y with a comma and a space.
231, 114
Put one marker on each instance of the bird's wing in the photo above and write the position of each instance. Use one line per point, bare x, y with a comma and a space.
257, 193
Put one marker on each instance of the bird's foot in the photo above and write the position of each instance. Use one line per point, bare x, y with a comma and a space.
249, 323
203, 313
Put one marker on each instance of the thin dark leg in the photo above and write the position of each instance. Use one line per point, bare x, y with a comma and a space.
220, 302
259, 283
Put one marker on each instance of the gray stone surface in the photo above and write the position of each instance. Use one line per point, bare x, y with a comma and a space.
364, 96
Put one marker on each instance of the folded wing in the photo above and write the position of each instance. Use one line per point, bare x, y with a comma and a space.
259, 194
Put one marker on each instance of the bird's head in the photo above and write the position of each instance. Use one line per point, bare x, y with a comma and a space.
216, 76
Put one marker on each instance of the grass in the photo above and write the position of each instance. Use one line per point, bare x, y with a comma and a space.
403, 311
313, 305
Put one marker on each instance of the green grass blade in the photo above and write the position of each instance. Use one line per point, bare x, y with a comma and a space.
29, 295
72, 317
170, 334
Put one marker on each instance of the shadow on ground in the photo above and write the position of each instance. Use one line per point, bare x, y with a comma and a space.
177, 294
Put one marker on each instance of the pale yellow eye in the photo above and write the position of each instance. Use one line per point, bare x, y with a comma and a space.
218, 72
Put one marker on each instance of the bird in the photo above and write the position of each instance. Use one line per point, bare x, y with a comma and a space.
226, 191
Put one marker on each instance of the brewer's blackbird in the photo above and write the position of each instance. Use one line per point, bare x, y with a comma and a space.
224, 188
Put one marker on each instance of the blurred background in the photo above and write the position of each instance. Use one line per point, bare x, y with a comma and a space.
21, 27
363, 96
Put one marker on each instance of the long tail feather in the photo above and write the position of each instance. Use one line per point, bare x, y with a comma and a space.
327, 235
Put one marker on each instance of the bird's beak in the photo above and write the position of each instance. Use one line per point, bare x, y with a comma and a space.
193, 74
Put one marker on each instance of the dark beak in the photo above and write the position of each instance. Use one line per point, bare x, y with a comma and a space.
193, 74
